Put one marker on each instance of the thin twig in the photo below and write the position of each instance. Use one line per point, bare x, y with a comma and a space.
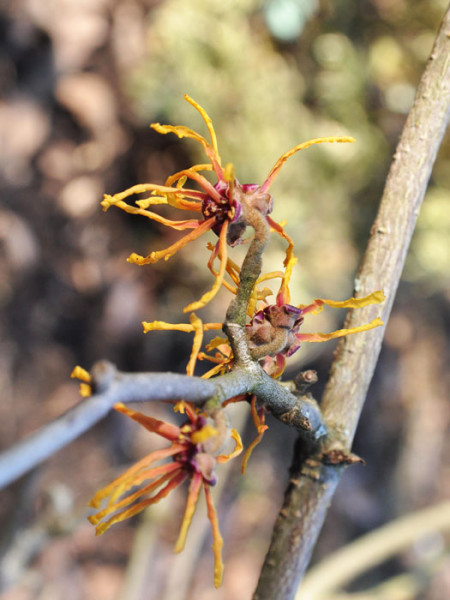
112, 386
307, 498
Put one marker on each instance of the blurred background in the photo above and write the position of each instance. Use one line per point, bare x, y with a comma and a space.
80, 81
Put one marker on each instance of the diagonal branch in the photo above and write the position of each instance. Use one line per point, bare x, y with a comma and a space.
307, 498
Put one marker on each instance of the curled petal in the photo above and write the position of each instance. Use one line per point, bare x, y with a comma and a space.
217, 538
216, 343
178, 225
316, 306
180, 177
221, 368
197, 343
323, 337
191, 503
214, 155
85, 378
208, 122
81, 374
219, 280
160, 194
202, 227
278, 227
186, 132
175, 200
237, 449
259, 420
231, 268
85, 390
283, 158
188, 328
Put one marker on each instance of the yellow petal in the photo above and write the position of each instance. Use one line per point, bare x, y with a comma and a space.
219, 368
171, 250
217, 538
208, 122
139, 507
125, 481
216, 342
85, 390
316, 306
163, 326
323, 337
191, 503
283, 158
261, 427
219, 279
250, 449
197, 326
164, 473
237, 449
81, 374
187, 327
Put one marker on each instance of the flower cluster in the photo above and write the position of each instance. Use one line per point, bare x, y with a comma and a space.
273, 332
194, 452
226, 208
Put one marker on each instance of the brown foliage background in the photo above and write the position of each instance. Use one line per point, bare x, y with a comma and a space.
80, 81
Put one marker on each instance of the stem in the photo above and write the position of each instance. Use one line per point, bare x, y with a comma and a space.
251, 267
307, 498
112, 386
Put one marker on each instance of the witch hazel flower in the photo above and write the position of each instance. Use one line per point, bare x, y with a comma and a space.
193, 455
274, 331
223, 206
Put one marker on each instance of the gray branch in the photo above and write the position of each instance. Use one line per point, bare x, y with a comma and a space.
112, 386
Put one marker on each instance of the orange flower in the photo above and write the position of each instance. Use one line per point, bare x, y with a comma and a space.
223, 206
194, 454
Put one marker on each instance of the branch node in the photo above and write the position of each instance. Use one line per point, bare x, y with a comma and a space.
103, 374
340, 456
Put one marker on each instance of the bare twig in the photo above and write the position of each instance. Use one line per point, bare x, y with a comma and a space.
112, 386
307, 498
